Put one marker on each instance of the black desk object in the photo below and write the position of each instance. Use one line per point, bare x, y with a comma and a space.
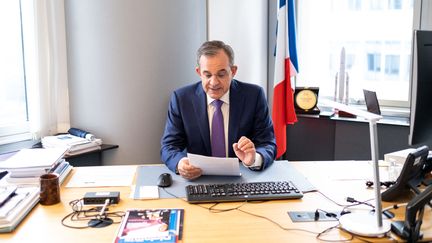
251, 191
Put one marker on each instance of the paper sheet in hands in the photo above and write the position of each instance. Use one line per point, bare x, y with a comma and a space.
215, 165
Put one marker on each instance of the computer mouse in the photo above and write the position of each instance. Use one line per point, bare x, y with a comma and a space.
164, 180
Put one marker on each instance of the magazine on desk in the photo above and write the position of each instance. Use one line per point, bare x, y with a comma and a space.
151, 225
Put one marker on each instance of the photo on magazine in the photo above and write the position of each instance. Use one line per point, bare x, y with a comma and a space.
151, 225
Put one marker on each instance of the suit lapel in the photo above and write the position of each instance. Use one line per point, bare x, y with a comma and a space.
200, 108
235, 113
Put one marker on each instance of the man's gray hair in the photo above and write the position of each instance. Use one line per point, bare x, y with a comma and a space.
211, 48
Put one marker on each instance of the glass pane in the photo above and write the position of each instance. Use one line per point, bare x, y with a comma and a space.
13, 107
376, 36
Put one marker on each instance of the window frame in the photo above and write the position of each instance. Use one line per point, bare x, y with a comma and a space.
21, 131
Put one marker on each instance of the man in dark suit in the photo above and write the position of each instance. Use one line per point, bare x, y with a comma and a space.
218, 116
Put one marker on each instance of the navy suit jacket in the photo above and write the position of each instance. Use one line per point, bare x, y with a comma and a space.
187, 125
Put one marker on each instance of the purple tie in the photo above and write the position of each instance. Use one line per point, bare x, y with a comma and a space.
218, 134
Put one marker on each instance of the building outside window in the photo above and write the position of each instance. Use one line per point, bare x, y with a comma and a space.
376, 36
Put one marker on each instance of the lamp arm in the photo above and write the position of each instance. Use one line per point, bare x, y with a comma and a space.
374, 155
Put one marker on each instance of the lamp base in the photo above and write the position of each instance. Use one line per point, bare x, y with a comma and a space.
364, 224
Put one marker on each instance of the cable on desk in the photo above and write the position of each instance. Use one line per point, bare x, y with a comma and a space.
276, 223
328, 214
352, 236
100, 215
238, 208
216, 210
352, 200
211, 209
331, 200
395, 206
349, 199
322, 233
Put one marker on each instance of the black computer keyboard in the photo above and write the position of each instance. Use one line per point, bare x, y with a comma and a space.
251, 191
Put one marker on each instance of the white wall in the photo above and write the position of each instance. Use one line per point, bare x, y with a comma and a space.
125, 57
426, 17
243, 25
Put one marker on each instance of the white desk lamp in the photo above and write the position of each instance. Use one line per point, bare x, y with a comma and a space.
364, 224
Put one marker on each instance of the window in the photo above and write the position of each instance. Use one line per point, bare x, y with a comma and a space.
392, 65
395, 4
374, 62
33, 87
376, 36
13, 96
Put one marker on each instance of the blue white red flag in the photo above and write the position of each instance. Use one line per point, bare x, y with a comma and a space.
286, 67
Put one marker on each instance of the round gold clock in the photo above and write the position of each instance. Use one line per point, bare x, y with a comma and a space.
306, 99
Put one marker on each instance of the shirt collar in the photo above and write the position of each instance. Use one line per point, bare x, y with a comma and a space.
224, 98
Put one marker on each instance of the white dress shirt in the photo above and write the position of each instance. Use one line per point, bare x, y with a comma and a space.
225, 113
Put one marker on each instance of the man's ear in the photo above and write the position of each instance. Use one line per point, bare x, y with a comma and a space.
233, 70
198, 70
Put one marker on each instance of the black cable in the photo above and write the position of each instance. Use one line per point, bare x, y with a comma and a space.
175, 196
358, 236
331, 200
318, 234
215, 210
352, 236
352, 200
211, 209
276, 223
349, 199
345, 206
328, 214
80, 215
322, 233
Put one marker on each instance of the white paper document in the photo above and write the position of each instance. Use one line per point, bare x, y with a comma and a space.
103, 176
26, 159
215, 165
145, 192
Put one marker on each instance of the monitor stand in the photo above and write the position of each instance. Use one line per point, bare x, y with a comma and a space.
364, 224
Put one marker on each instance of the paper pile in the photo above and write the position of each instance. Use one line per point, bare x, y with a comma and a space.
73, 144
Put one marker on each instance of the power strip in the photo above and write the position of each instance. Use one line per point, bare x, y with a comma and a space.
92, 198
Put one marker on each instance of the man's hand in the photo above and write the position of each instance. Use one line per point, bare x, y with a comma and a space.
245, 150
188, 171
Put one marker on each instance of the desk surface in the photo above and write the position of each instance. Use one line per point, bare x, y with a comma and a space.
336, 179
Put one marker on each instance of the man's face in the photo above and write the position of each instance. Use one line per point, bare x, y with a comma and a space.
216, 74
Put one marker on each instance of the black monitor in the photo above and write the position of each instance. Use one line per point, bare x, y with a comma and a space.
421, 89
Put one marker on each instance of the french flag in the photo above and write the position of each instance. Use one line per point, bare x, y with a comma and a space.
286, 66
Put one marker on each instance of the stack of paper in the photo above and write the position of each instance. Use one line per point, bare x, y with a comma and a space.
74, 144
32, 163
62, 169
17, 207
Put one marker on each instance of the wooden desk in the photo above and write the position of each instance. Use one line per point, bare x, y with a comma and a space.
43, 223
